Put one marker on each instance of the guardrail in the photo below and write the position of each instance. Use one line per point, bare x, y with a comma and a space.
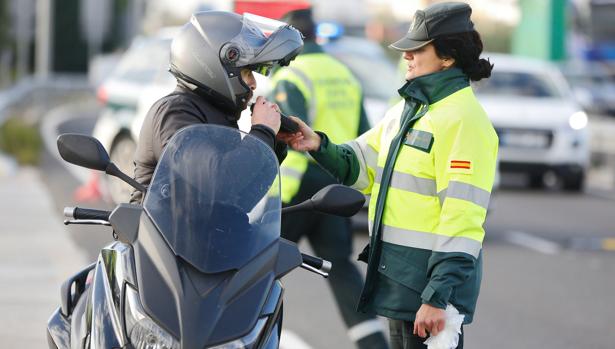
29, 85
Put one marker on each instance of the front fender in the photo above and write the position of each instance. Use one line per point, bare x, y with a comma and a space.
58, 331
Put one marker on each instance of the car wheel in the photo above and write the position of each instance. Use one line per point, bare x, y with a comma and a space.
574, 181
122, 154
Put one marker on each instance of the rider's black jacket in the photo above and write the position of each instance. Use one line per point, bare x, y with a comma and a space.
183, 107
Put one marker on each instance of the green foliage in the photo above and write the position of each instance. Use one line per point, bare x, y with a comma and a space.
21, 140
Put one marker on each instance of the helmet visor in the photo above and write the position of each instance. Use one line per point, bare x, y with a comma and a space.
255, 34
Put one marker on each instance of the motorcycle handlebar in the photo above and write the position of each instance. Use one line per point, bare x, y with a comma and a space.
320, 265
86, 213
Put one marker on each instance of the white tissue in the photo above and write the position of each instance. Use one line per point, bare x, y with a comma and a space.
449, 337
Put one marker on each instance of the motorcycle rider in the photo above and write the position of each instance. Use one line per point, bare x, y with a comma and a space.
213, 58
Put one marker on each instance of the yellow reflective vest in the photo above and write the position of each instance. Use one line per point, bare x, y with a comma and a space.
333, 97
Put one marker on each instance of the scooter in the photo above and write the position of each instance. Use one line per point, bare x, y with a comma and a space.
199, 264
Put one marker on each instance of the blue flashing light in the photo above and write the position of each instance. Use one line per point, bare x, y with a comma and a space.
329, 30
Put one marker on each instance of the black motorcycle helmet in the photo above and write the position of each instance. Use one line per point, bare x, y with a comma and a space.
208, 53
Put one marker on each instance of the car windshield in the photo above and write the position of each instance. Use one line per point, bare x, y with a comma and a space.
215, 197
517, 84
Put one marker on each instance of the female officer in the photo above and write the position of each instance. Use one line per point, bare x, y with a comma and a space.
429, 166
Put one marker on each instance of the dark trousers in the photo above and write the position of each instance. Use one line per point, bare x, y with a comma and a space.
331, 238
402, 337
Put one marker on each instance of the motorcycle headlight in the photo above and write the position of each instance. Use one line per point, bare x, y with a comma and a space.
142, 331
248, 340
578, 120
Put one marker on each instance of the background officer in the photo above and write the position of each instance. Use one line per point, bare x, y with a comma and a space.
323, 92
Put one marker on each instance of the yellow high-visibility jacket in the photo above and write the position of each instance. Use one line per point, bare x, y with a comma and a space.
426, 240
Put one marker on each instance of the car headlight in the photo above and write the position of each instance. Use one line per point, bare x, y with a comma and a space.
248, 340
142, 331
578, 120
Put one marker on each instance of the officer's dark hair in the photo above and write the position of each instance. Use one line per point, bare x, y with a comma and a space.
465, 48
303, 21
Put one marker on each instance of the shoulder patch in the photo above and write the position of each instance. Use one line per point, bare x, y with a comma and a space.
460, 166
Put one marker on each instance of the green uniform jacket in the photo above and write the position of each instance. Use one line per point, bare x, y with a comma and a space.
429, 166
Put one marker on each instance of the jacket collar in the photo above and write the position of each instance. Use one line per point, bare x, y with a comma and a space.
311, 47
429, 89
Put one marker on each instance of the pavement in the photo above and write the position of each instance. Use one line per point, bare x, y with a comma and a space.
36, 256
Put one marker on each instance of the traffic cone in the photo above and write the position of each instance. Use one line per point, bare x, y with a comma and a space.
89, 191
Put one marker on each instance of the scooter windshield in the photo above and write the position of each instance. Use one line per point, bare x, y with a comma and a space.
215, 197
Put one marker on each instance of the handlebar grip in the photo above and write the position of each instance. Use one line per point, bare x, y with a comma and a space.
321, 265
313, 262
86, 213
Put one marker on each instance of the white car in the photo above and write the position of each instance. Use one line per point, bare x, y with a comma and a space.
144, 63
543, 132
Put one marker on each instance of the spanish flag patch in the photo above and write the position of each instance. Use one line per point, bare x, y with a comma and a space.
460, 166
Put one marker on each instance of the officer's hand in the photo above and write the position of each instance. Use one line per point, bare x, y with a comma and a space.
303, 140
266, 113
429, 319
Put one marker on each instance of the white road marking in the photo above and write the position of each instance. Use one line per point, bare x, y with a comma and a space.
291, 340
532, 242
366, 328
49, 131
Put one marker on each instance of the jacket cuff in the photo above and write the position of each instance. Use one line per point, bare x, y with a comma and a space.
324, 143
281, 151
437, 298
264, 133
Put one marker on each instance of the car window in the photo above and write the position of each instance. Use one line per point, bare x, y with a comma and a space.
517, 84
144, 60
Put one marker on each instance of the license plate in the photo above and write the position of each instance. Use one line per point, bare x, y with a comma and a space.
524, 139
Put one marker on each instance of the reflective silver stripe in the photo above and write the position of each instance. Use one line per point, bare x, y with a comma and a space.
308, 83
367, 158
467, 192
364, 329
430, 241
291, 172
370, 155
442, 196
408, 182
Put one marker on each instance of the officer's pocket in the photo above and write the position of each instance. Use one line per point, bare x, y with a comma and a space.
403, 269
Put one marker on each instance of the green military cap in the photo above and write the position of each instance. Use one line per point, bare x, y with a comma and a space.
436, 20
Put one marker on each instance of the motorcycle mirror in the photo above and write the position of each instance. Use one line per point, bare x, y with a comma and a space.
339, 200
335, 199
86, 151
